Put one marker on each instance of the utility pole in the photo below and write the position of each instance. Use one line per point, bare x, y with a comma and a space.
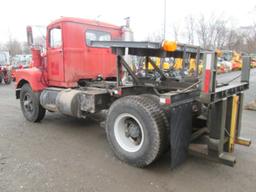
164, 34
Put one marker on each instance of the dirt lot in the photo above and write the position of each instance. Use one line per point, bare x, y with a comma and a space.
66, 154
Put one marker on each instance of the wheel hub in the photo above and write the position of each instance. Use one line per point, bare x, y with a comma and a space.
133, 131
28, 104
128, 132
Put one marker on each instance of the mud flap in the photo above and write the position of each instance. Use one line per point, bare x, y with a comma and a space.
180, 130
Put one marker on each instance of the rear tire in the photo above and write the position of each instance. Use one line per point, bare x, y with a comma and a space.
135, 130
165, 110
30, 105
164, 113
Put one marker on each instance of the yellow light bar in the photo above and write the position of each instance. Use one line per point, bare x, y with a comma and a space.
169, 45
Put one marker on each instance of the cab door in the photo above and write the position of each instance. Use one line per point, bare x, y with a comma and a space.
55, 54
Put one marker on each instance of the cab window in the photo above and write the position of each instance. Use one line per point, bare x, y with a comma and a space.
55, 38
95, 35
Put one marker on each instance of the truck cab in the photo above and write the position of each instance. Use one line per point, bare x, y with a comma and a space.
69, 57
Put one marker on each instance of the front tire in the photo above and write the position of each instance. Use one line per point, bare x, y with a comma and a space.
30, 105
135, 130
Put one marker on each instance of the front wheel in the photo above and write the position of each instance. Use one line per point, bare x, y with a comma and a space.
30, 105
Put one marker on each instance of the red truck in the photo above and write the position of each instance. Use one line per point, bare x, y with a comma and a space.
84, 71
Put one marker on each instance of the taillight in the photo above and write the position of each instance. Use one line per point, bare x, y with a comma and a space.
166, 101
118, 92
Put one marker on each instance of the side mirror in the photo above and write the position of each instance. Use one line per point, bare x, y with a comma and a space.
29, 36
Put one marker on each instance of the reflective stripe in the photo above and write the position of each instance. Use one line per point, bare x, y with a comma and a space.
207, 77
208, 62
207, 80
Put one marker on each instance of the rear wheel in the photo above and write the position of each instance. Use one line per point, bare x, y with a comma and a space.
164, 113
30, 105
135, 130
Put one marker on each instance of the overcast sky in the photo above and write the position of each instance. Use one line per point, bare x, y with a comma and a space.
146, 15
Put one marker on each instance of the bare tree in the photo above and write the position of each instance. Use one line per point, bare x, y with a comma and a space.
250, 39
176, 30
190, 29
219, 33
25, 48
233, 40
211, 33
154, 36
202, 32
14, 47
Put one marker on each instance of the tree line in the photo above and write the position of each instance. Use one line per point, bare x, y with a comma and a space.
15, 47
215, 32
219, 33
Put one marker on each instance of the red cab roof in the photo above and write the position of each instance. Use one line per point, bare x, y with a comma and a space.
84, 21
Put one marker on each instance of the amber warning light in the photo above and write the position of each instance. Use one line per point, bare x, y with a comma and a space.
169, 45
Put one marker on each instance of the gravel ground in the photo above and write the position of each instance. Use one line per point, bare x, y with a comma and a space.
67, 154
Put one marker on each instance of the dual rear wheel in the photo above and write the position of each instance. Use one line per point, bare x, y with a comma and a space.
136, 130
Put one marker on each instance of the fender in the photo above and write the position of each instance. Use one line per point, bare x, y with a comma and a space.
33, 76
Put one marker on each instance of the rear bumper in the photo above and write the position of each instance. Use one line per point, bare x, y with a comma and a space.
216, 139
223, 125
